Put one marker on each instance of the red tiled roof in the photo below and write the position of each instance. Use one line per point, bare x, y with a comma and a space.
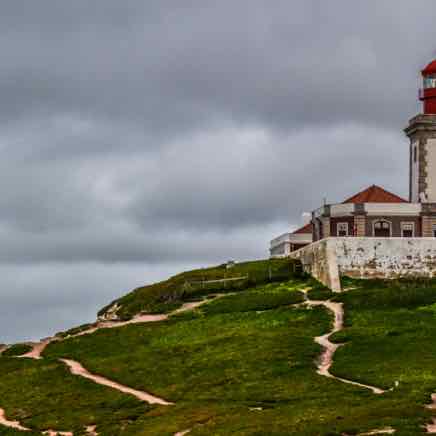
306, 229
375, 194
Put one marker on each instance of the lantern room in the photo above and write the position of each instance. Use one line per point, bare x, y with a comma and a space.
428, 94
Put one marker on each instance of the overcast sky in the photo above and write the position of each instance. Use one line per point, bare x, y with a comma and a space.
140, 138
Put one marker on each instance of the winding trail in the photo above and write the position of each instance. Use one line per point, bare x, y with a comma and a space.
91, 430
387, 430
326, 359
39, 347
11, 424
57, 433
77, 369
431, 427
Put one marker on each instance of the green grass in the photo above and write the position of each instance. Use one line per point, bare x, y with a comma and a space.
244, 364
253, 350
167, 295
268, 297
17, 350
44, 395
391, 333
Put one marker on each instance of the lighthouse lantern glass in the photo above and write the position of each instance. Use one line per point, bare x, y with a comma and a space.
430, 81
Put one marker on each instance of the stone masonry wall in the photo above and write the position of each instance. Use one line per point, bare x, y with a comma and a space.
360, 257
386, 257
319, 260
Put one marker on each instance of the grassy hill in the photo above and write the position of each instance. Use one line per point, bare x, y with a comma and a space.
244, 363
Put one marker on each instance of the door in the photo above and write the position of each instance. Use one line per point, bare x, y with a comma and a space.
382, 229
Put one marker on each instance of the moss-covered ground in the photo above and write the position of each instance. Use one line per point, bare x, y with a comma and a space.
244, 364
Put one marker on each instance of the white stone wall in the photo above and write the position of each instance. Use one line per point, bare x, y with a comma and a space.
362, 257
319, 260
386, 257
431, 170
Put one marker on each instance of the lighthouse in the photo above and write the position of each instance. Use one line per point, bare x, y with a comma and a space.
428, 93
422, 134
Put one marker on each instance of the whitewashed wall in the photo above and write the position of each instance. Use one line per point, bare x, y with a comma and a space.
389, 258
386, 257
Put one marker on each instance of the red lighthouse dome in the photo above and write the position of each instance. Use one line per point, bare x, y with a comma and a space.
428, 94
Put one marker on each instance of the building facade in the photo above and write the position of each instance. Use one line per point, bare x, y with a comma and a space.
376, 212
285, 244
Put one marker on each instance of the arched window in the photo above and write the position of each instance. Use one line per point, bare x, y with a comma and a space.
382, 229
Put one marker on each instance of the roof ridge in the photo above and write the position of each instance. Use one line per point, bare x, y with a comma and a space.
307, 228
375, 194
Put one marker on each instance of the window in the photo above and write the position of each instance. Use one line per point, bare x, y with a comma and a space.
342, 229
407, 230
415, 153
434, 230
382, 229
430, 82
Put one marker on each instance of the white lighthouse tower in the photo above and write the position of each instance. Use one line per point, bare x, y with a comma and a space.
422, 133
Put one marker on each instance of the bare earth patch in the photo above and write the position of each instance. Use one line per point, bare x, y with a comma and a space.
77, 369
11, 424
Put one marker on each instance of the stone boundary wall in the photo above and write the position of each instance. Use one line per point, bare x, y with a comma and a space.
319, 260
386, 257
361, 257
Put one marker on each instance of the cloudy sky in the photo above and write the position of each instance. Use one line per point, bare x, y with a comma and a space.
140, 138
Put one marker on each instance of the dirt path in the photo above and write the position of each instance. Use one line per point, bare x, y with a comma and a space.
326, 359
91, 430
77, 369
39, 347
387, 430
11, 424
431, 428
57, 433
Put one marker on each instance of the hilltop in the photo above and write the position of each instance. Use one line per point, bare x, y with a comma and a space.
243, 356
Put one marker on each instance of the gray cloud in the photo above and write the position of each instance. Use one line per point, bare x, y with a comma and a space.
144, 137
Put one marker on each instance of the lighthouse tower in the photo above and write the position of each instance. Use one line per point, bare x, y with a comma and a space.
422, 133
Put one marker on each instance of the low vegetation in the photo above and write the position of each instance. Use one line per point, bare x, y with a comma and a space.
167, 295
17, 350
43, 395
243, 364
